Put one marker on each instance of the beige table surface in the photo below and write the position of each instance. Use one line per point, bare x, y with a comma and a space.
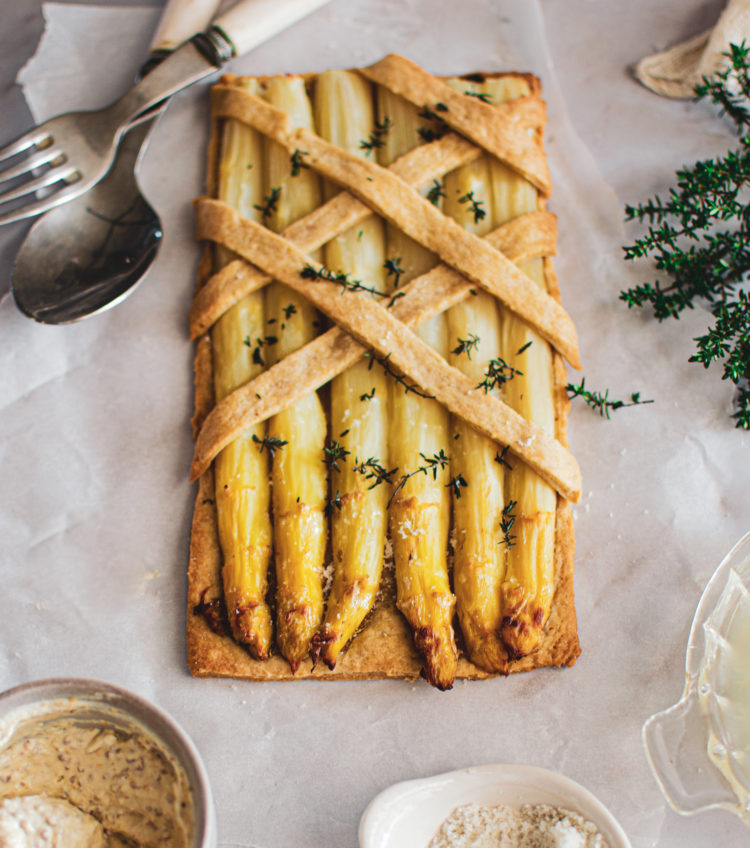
635, 594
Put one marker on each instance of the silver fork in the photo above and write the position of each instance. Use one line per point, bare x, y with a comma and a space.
76, 149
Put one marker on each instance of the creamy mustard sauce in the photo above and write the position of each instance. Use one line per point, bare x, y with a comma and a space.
87, 782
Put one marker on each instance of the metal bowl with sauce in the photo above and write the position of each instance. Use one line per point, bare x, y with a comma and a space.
85, 754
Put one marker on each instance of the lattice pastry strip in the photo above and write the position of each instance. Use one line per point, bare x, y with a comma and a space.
383, 648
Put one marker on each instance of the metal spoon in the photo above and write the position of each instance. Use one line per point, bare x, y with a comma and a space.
89, 254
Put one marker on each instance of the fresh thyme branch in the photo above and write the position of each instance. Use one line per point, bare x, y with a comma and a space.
699, 236
599, 402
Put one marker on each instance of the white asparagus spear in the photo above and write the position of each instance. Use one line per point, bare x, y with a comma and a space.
359, 396
298, 473
528, 588
241, 469
419, 435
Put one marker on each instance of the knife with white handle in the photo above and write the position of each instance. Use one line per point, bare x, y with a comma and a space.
180, 20
243, 27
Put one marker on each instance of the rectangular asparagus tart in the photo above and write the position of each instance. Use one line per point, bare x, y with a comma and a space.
384, 478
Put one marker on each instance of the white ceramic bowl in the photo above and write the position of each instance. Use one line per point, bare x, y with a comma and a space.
409, 814
119, 702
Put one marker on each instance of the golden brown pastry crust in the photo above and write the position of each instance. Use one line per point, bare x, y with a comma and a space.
383, 648
392, 198
380, 329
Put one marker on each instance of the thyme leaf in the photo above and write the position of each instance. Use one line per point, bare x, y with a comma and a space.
297, 161
456, 484
475, 206
394, 269
333, 453
271, 443
507, 520
467, 345
270, 202
435, 193
377, 136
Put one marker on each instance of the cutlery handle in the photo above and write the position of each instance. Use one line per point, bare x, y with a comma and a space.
246, 25
180, 20
252, 22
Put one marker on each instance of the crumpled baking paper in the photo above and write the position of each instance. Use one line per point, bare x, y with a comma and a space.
95, 447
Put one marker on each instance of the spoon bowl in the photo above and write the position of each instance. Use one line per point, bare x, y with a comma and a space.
89, 254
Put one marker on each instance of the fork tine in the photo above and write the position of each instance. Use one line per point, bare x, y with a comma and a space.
36, 160
45, 204
35, 136
54, 175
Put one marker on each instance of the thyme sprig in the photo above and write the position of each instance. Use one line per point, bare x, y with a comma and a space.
257, 349
507, 520
467, 345
270, 202
371, 469
271, 443
431, 464
297, 161
480, 95
435, 192
475, 206
501, 460
332, 502
429, 114
699, 236
384, 362
309, 272
496, 374
333, 453
438, 129
377, 136
456, 484
601, 402
394, 269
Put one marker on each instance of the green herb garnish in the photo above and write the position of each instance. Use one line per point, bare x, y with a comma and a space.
456, 484
297, 161
435, 193
601, 402
496, 375
474, 205
384, 362
700, 237
377, 136
334, 452
271, 443
394, 269
433, 464
270, 201
466, 345
507, 520
347, 284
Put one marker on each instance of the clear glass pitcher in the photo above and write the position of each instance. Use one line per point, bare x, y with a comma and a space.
699, 749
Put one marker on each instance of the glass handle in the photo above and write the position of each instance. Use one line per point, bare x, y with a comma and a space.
676, 745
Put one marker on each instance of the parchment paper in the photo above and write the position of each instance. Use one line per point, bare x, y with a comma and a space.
95, 446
